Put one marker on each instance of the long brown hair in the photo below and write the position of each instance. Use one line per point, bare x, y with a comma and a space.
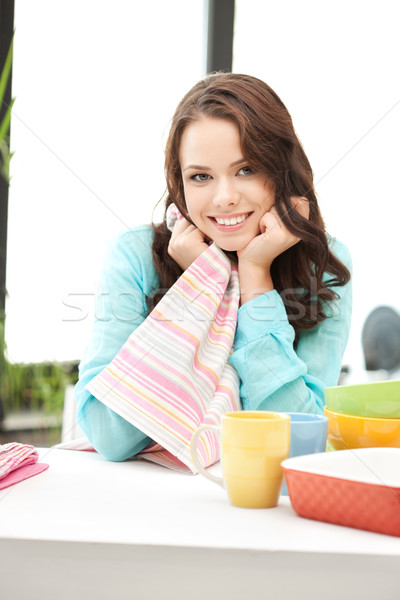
270, 145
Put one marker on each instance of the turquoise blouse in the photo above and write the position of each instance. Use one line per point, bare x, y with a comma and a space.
273, 375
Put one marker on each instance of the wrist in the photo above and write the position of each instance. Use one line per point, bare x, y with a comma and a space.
254, 280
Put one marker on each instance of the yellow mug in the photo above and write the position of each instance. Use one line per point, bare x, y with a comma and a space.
253, 445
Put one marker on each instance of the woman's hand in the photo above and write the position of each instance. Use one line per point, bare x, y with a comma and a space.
186, 243
256, 258
274, 238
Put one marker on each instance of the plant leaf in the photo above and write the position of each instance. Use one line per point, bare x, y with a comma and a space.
5, 74
5, 123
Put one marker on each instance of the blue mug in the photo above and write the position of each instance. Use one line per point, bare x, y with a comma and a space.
308, 435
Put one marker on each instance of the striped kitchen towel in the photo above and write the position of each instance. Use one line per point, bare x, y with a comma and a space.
172, 374
18, 462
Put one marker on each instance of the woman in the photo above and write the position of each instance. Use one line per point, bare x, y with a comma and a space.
238, 175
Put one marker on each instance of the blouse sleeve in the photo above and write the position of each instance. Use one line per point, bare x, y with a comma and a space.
127, 277
274, 375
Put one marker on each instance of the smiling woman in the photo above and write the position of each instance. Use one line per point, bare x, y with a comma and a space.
241, 189
229, 123
214, 193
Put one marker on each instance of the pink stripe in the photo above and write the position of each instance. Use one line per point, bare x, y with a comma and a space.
151, 408
208, 266
209, 280
176, 372
196, 298
169, 387
214, 282
125, 355
209, 373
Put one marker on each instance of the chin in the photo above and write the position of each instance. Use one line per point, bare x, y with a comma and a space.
230, 247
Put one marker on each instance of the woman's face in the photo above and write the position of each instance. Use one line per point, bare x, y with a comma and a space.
225, 198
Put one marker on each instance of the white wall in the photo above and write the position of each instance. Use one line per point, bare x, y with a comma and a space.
336, 67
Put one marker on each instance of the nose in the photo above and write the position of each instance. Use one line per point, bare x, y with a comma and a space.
226, 194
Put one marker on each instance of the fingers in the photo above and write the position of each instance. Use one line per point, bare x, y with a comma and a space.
181, 227
301, 204
186, 243
270, 220
275, 237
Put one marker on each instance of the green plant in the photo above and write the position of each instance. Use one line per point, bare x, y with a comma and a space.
36, 386
3, 367
5, 154
5, 158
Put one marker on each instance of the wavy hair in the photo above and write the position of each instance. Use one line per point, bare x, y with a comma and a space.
270, 146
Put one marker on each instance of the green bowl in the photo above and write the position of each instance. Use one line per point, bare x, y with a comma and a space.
377, 399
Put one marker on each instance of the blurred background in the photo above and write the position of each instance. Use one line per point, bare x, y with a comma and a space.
95, 86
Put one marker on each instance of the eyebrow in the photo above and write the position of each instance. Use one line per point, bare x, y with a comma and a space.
204, 168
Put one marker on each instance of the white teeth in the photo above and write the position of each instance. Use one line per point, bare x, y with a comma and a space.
232, 221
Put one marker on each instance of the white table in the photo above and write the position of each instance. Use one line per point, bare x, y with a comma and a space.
87, 528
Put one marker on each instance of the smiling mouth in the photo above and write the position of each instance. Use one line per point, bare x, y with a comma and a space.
227, 222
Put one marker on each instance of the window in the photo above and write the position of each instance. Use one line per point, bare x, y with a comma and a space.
96, 84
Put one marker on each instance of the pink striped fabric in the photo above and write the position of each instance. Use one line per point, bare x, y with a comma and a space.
14, 455
18, 462
173, 375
